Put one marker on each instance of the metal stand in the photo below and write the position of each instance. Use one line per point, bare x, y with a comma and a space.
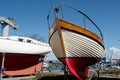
95, 75
41, 71
66, 73
2, 66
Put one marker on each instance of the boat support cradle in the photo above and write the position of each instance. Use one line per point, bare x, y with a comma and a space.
66, 73
94, 76
97, 68
2, 66
17, 78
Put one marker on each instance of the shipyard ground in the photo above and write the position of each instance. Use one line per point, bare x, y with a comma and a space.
71, 78
59, 75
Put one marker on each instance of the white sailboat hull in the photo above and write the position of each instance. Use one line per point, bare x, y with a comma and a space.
21, 58
11, 46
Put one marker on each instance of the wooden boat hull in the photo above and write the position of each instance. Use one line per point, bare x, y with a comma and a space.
21, 64
75, 46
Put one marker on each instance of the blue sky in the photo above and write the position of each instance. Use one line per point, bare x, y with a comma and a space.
31, 15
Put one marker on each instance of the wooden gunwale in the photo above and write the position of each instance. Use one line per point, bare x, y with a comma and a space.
70, 26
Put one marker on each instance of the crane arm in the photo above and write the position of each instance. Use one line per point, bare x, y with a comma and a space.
8, 22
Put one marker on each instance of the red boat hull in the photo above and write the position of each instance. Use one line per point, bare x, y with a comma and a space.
79, 66
21, 64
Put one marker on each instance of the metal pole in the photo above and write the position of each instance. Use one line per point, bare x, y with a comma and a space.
64, 72
66, 75
41, 71
2, 66
5, 30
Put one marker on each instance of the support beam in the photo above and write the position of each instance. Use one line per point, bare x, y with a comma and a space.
5, 30
2, 66
6, 23
66, 73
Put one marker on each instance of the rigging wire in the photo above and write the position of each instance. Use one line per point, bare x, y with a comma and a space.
84, 20
53, 6
61, 11
87, 18
49, 16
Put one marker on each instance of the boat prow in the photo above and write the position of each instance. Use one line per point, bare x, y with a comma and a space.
75, 46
